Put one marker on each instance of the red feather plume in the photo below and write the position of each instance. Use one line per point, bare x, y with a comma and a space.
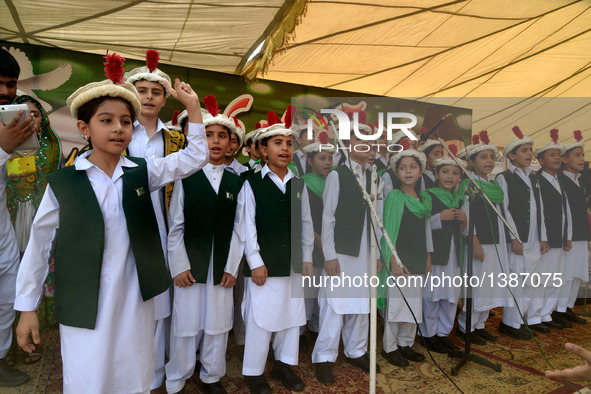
211, 104
114, 67
362, 117
453, 148
289, 116
175, 117
517, 132
257, 125
323, 137
152, 59
272, 118
484, 137
405, 143
554, 135
423, 130
578, 136
475, 139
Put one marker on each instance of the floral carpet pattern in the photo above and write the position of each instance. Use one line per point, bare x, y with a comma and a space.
522, 365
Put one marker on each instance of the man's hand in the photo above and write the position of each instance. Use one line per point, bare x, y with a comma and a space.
516, 247
544, 247
332, 267
228, 281
429, 266
14, 133
184, 279
582, 372
28, 324
259, 275
569, 246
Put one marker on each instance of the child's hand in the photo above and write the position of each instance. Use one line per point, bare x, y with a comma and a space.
429, 266
184, 93
308, 269
259, 275
184, 279
569, 246
379, 266
478, 251
447, 214
461, 216
516, 247
332, 267
544, 247
396, 269
582, 372
28, 324
228, 281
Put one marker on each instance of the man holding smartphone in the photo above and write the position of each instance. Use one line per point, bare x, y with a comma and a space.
11, 136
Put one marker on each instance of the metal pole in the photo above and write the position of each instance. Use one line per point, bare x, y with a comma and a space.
373, 316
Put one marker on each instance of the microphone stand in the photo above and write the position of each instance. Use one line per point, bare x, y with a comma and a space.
473, 192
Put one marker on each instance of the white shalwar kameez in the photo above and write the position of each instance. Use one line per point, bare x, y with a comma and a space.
143, 146
9, 263
440, 296
489, 294
552, 263
278, 305
342, 309
118, 356
576, 265
528, 262
202, 312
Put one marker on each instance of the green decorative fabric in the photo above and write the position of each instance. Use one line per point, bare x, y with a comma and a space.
491, 188
315, 183
396, 201
450, 199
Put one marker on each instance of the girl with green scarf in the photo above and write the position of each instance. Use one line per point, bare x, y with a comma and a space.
406, 215
24, 191
448, 220
321, 164
490, 258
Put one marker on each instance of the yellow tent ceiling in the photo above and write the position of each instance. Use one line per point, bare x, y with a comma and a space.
404, 48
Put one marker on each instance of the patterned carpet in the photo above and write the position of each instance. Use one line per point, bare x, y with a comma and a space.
522, 368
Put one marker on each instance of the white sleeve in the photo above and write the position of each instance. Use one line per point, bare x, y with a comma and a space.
429, 236
178, 259
35, 263
4, 156
181, 164
330, 200
251, 245
569, 218
307, 228
542, 224
436, 222
387, 179
237, 242
503, 183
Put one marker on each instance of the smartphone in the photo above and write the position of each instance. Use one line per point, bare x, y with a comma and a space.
7, 113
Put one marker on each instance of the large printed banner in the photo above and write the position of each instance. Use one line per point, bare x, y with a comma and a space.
53, 74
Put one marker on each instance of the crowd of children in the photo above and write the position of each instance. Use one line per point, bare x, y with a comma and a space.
162, 251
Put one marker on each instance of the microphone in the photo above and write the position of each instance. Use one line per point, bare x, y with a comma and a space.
425, 137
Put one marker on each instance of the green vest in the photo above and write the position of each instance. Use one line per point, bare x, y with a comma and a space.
449, 232
578, 209
278, 224
350, 213
518, 194
80, 242
209, 219
554, 207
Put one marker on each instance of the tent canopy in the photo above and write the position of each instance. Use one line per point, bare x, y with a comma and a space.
402, 48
